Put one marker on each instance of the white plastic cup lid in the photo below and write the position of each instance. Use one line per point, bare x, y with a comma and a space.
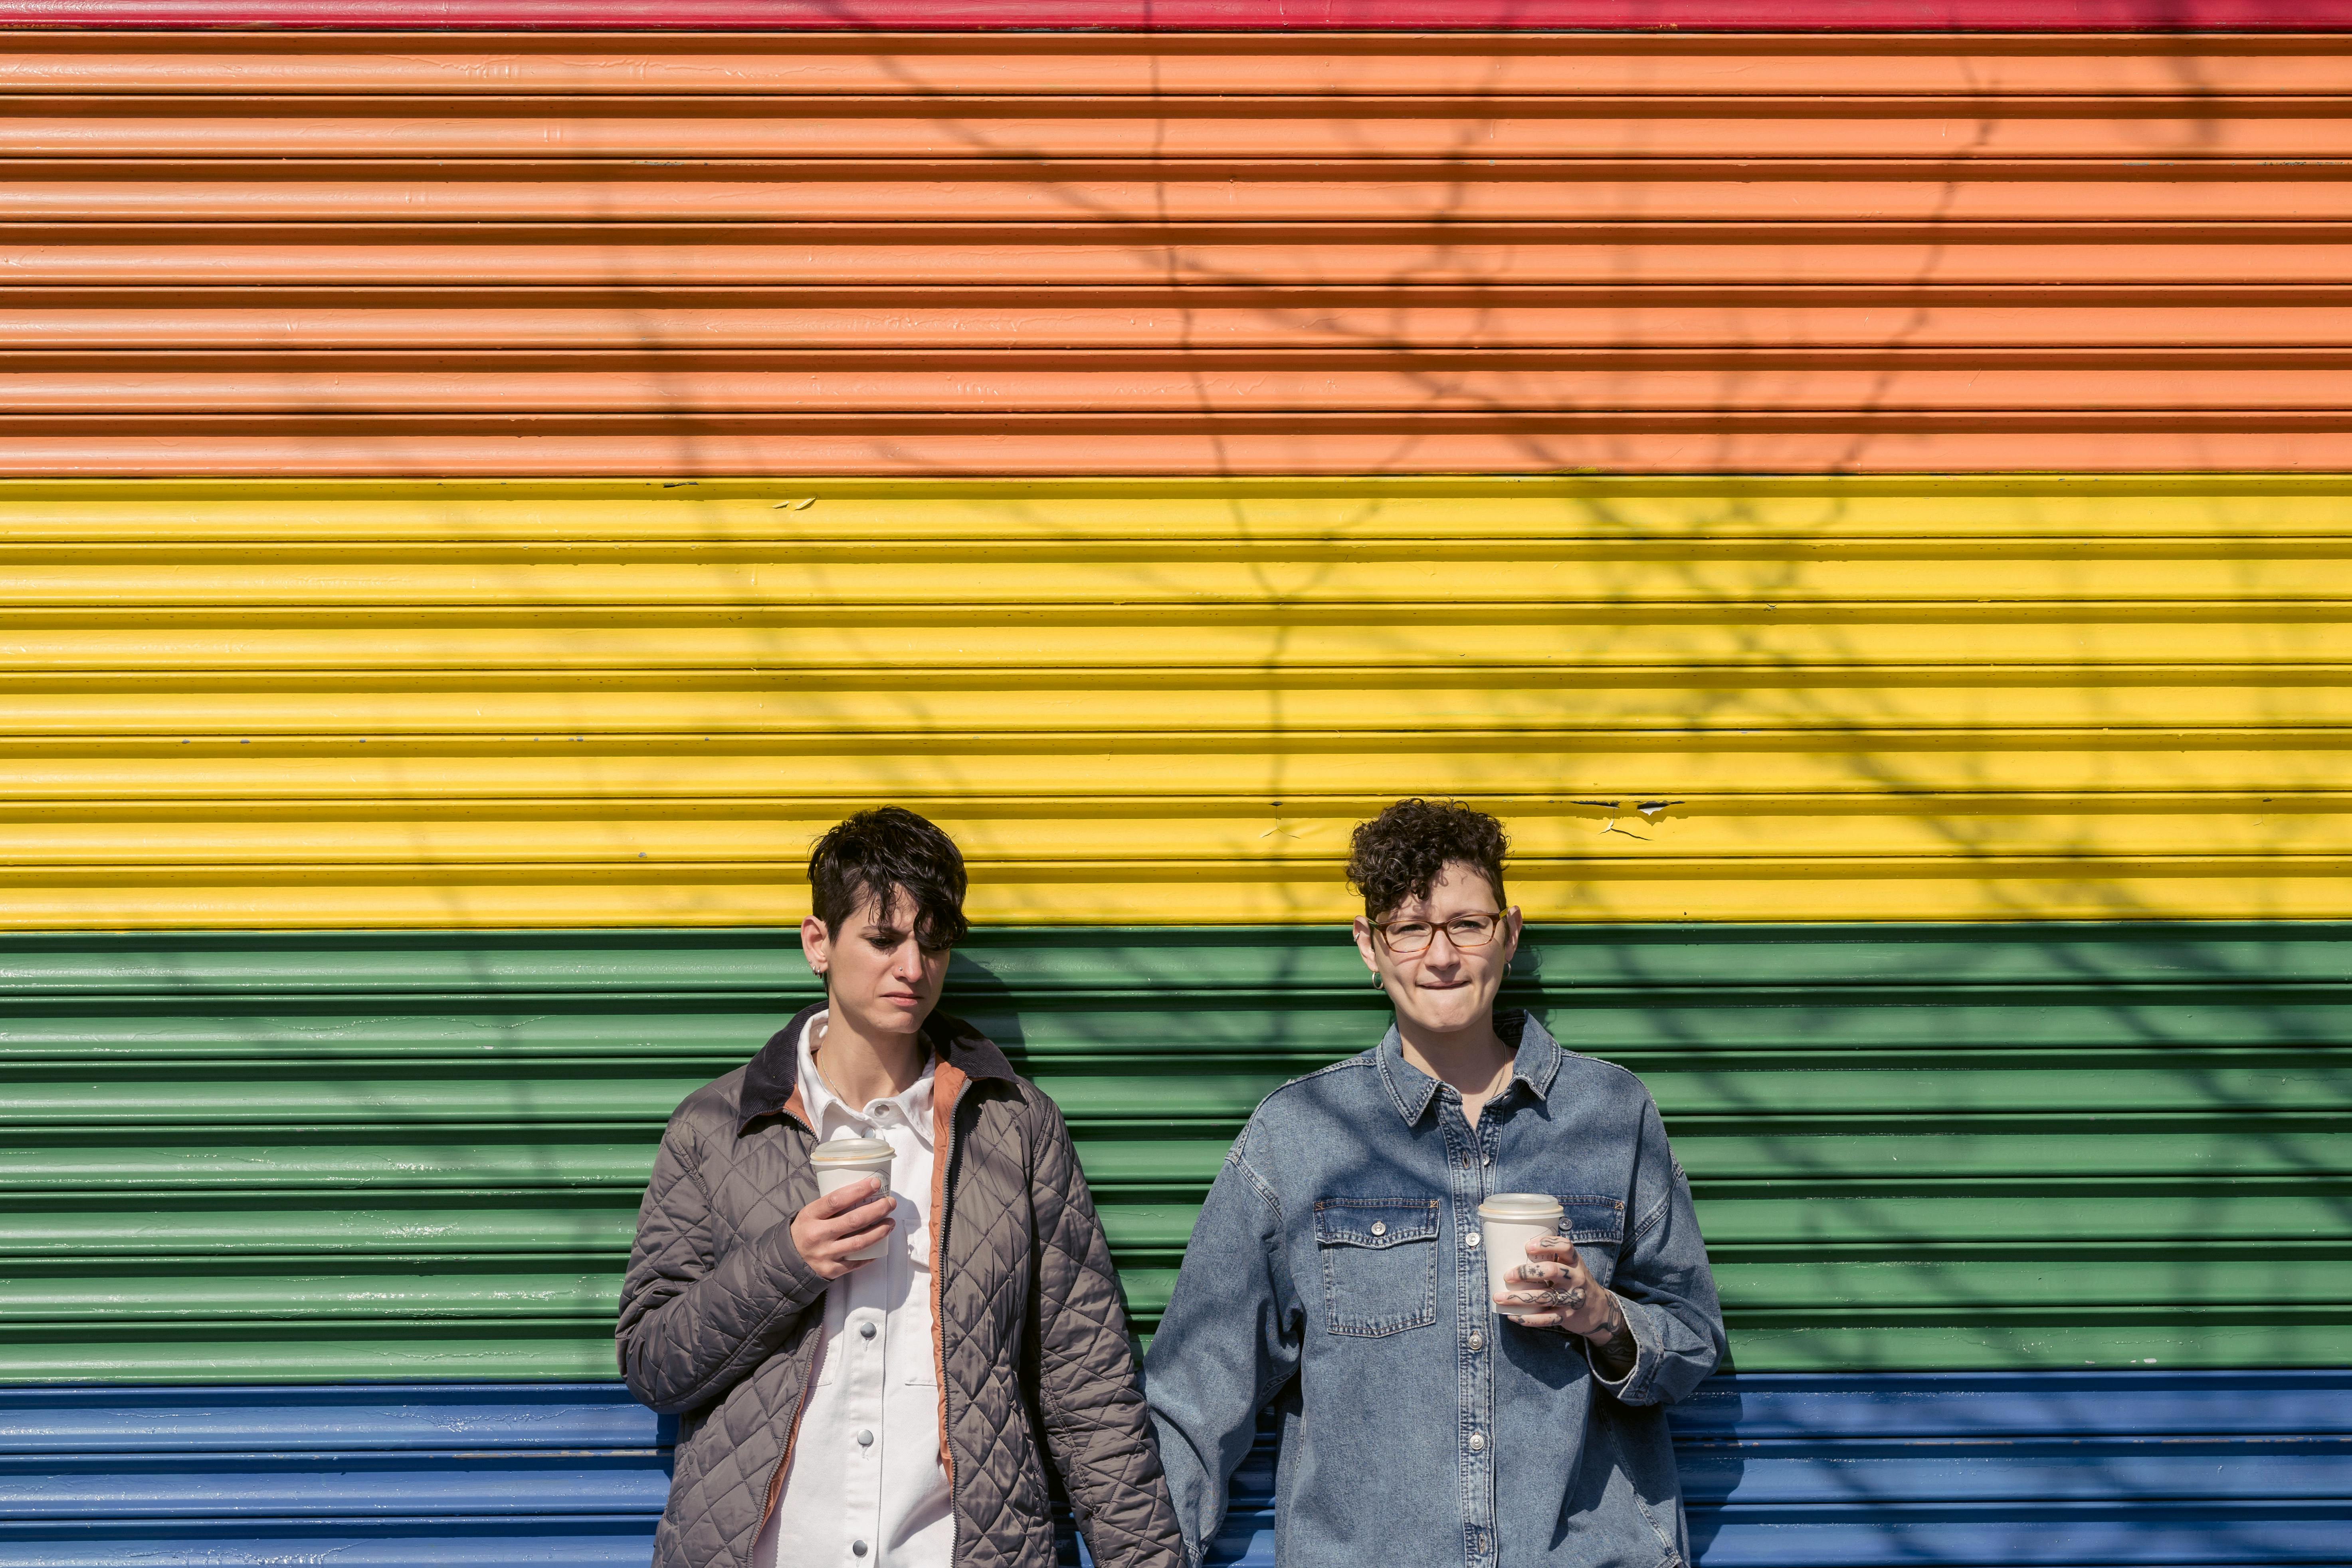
1521, 1207
851, 1151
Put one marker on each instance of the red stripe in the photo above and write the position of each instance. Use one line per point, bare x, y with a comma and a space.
1200, 16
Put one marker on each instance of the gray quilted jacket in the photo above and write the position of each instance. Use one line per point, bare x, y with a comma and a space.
722, 1320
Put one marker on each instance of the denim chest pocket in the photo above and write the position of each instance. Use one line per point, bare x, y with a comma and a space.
1596, 1223
1379, 1263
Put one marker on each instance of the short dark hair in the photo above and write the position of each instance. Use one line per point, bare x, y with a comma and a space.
880, 852
1398, 855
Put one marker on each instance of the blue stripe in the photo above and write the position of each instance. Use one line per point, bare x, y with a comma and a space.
340, 1418
1970, 1471
1826, 1406
453, 1542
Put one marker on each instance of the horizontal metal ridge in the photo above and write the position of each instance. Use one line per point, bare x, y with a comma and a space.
1629, 961
1182, 17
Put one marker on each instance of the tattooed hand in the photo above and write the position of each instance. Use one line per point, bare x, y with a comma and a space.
1554, 1282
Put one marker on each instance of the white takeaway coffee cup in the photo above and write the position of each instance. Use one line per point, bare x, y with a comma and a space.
843, 1161
1507, 1223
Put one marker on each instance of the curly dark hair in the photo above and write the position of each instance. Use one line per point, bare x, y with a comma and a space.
1398, 854
887, 851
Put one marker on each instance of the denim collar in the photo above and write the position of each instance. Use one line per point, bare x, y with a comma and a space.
1535, 1062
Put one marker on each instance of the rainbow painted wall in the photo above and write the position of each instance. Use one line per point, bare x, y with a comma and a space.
1862, 487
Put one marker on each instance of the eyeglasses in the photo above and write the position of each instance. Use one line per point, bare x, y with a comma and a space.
1408, 939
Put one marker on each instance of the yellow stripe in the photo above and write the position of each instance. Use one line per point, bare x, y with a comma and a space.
600, 703
1223, 512
1318, 582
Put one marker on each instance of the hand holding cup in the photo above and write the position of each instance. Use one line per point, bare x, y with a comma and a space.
1552, 1289
841, 1229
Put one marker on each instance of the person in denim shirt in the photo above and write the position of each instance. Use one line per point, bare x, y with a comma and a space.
1334, 1270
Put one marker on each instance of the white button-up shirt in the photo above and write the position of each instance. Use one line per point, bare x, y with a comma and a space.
866, 1488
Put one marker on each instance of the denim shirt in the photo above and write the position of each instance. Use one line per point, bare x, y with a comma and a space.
1331, 1274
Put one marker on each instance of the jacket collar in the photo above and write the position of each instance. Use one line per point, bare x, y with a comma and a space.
770, 1085
1535, 1062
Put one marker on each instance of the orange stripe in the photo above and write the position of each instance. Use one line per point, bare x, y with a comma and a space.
2231, 323
917, 193
672, 267
1178, 393
2055, 441
1629, 129
1215, 254
749, 65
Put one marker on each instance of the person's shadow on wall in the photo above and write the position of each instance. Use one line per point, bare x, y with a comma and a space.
975, 995
1706, 1424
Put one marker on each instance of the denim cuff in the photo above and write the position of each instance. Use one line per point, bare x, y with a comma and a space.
1634, 1387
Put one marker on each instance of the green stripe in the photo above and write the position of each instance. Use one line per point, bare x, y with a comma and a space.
248, 1157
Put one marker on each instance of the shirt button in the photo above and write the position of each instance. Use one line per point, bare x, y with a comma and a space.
858, 1549
865, 1331
1487, 1161
1470, 1238
1379, 1227
866, 1438
1478, 1340
1477, 1442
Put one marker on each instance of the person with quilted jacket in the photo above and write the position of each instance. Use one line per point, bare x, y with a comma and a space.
900, 1410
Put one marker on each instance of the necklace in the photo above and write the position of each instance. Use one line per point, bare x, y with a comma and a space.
1493, 1084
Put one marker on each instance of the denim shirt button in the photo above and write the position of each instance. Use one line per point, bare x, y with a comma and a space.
1477, 1442
1379, 1227
1470, 1238
1478, 1340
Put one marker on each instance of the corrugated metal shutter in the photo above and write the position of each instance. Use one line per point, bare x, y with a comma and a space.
1207, 255
1871, 1472
446, 706
567, 704
299, 1158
